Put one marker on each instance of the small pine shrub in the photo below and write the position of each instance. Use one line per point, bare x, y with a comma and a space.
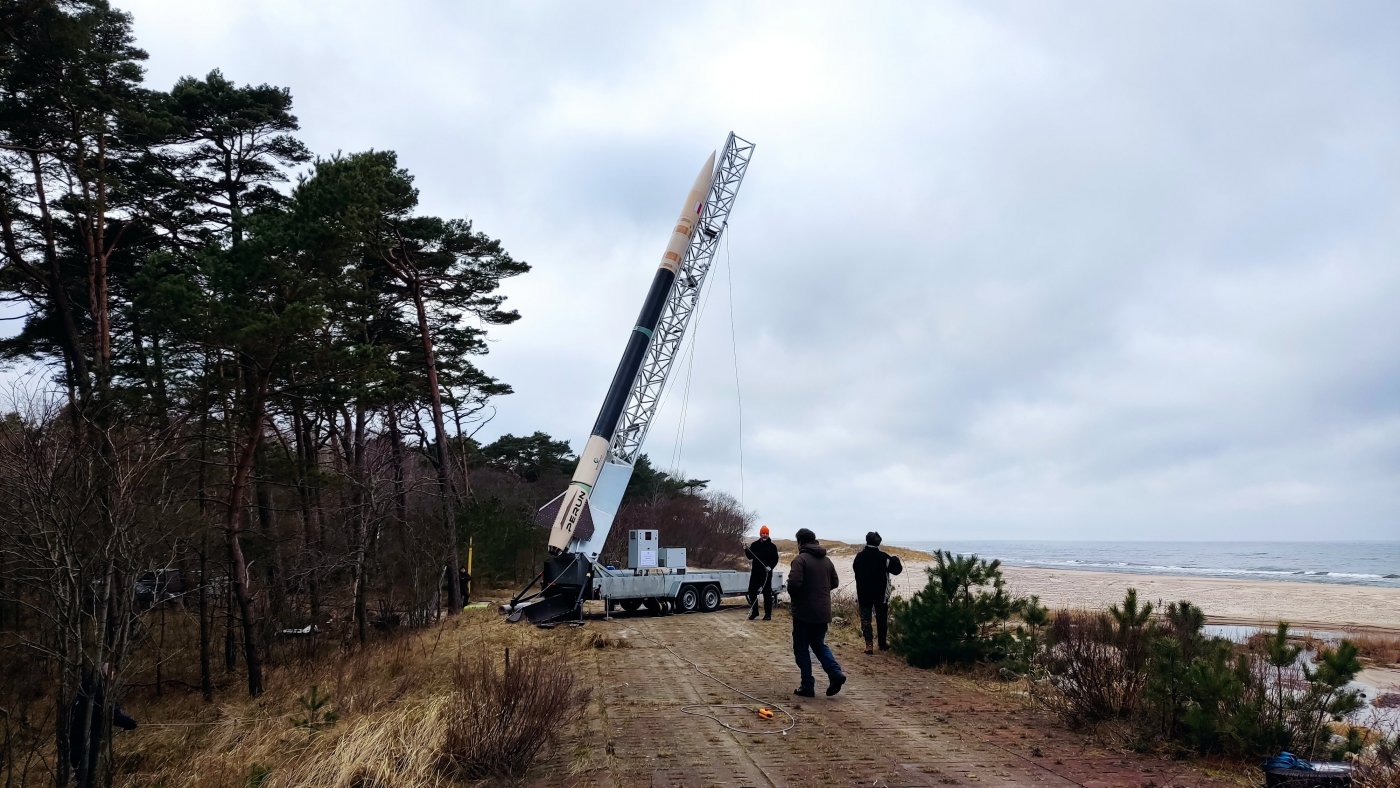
1327, 699
1216, 710
1205, 694
315, 714
1171, 653
959, 617
1025, 640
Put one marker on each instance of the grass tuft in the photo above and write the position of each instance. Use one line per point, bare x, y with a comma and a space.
502, 713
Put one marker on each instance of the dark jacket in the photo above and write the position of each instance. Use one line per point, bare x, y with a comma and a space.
92, 694
809, 584
872, 568
764, 556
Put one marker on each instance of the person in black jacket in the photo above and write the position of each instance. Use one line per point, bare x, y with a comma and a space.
873, 568
764, 555
86, 712
810, 583
464, 584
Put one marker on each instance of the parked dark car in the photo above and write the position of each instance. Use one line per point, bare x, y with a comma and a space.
159, 585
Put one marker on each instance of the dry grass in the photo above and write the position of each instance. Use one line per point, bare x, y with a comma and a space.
392, 701
845, 620
1384, 650
502, 712
1378, 766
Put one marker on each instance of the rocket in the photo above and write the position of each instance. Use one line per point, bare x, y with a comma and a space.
572, 521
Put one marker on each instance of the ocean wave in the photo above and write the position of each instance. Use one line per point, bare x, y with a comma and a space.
1076, 563
1369, 564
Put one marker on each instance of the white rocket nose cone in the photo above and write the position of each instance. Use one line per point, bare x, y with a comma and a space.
706, 175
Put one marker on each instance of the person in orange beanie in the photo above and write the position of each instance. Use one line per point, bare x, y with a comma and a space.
764, 555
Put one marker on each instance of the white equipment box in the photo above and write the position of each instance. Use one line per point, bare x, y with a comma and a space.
642, 549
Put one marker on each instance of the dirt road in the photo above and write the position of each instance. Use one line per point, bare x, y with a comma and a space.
892, 725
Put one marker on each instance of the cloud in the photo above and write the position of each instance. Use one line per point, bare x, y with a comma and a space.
999, 270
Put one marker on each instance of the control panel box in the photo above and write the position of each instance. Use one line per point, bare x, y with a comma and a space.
643, 547
673, 557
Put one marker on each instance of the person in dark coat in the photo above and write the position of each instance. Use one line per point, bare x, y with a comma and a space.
464, 582
92, 695
810, 581
873, 568
764, 555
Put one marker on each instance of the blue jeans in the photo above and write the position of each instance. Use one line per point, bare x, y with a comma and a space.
807, 635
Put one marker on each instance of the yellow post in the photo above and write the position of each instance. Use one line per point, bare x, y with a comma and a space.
470, 540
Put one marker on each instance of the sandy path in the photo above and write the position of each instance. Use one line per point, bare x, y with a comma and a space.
893, 725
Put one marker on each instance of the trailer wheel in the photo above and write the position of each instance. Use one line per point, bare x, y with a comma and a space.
709, 599
688, 600
630, 605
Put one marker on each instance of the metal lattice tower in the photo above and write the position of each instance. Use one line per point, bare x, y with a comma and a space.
685, 296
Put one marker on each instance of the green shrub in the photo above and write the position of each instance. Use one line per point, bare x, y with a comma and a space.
1326, 698
1027, 639
1206, 694
1171, 653
315, 712
959, 617
1217, 711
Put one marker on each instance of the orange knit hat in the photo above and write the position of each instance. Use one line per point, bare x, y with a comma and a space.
763, 531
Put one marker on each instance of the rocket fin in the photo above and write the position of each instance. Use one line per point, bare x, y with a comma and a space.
544, 518
583, 530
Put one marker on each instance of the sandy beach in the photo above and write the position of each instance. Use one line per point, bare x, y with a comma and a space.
1242, 601
1305, 605
1332, 608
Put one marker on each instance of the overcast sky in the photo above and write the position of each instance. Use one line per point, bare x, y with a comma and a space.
1029, 270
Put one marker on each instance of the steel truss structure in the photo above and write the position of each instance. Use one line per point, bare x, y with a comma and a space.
680, 306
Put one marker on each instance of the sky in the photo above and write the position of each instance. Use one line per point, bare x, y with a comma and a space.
1091, 270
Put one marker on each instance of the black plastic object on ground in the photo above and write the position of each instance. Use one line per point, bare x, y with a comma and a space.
1321, 775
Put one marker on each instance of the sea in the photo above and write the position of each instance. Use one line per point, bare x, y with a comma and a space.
1373, 564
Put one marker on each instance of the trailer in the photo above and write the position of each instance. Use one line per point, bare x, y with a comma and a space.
659, 580
655, 579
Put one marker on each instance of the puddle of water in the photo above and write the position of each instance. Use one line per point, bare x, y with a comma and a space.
1239, 633
1371, 689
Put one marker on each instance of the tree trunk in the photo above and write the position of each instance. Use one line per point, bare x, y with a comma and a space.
206, 677
230, 435
267, 527
444, 468
396, 454
310, 512
360, 508
58, 291
255, 390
